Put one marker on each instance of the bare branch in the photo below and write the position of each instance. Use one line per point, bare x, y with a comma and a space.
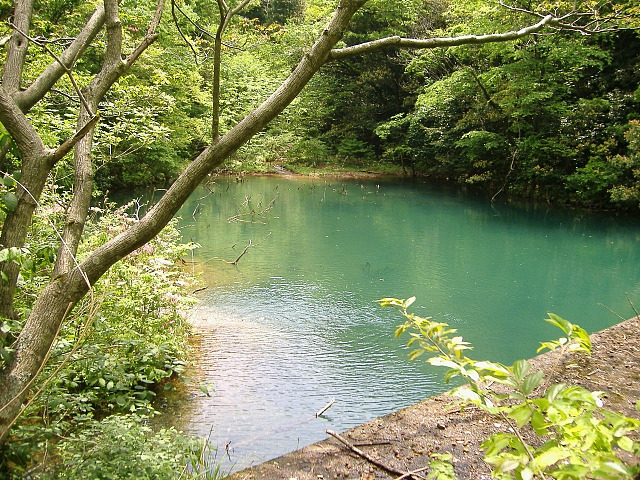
238, 8
69, 143
190, 20
180, 32
415, 44
27, 98
57, 59
385, 467
586, 22
520, 10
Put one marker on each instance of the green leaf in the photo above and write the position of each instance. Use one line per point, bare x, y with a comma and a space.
551, 456
443, 362
10, 201
526, 473
204, 388
538, 423
554, 391
520, 369
507, 465
626, 444
467, 395
521, 414
415, 354
531, 382
8, 181
619, 468
495, 368
559, 322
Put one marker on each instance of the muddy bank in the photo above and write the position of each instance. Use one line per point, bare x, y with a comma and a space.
405, 439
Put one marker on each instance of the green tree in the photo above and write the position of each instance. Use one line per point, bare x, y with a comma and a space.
542, 116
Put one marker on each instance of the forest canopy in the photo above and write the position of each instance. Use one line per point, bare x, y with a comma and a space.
551, 117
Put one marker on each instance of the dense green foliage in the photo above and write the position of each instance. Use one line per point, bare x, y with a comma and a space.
122, 344
548, 117
557, 431
545, 119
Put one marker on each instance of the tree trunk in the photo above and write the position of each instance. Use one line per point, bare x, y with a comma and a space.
81, 201
17, 48
59, 297
36, 163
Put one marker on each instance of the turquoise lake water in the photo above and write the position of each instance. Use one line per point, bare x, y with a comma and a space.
294, 324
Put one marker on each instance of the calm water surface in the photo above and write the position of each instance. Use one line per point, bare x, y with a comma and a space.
294, 323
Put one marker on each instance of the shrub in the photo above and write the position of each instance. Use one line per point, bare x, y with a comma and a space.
577, 437
127, 339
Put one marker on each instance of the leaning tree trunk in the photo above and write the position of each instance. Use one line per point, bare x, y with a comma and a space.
36, 162
65, 291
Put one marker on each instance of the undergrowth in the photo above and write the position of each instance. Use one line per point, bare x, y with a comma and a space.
89, 409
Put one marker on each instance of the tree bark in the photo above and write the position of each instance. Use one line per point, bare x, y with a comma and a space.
419, 44
31, 95
37, 160
17, 48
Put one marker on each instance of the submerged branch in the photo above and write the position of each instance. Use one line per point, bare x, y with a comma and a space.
249, 245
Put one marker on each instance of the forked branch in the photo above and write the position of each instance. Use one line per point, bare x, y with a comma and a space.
596, 20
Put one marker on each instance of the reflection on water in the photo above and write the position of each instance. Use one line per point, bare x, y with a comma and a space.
293, 324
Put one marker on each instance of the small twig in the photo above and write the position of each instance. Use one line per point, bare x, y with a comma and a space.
633, 307
372, 444
235, 262
252, 213
249, 245
612, 312
413, 473
506, 178
196, 210
285, 428
525, 445
325, 408
370, 459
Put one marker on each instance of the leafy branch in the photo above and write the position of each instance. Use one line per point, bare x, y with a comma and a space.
563, 432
